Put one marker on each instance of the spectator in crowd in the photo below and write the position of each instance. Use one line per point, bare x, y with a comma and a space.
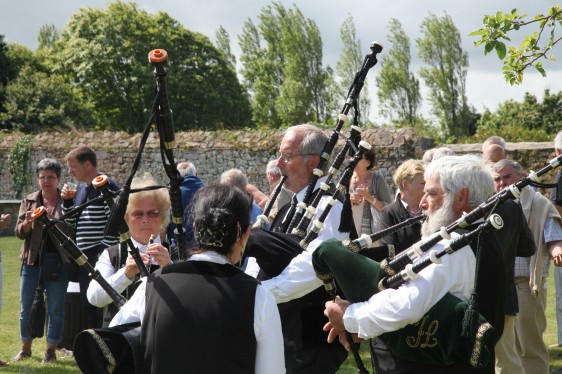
44, 264
190, 184
147, 216
531, 272
369, 193
89, 224
490, 150
236, 178
557, 270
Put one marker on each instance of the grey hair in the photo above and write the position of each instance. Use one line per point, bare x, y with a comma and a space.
272, 168
312, 141
494, 140
235, 178
505, 162
49, 164
186, 168
442, 152
457, 172
558, 141
428, 155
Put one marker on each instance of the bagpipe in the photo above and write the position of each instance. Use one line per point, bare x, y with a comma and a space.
297, 211
68, 245
438, 338
465, 337
299, 216
117, 349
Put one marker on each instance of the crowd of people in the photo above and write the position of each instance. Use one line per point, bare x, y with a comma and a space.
256, 296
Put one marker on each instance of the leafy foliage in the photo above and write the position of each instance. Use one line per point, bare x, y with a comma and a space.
39, 101
282, 67
534, 48
524, 121
440, 48
19, 163
104, 52
349, 64
398, 88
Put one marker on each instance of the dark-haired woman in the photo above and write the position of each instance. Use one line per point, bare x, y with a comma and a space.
205, 314
38, 252
369, 193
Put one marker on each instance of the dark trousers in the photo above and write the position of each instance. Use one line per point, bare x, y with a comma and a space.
321, 360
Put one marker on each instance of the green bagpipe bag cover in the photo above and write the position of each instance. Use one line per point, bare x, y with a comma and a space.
435, 339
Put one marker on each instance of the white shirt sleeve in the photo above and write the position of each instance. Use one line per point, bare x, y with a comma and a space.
392, 309
118, 280
133, 310
270, 358
299, 278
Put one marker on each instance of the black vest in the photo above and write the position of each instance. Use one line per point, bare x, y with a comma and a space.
199, 319
118, 256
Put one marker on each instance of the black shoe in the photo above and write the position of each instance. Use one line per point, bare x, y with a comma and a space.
3, 364
22, 355
50, 357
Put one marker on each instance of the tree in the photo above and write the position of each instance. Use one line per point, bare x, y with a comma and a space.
530, 114
535, 47
223, 45
12, 59
38, 101
48, 35
398, 89
282, 67
104, 52
440, 48
349, 64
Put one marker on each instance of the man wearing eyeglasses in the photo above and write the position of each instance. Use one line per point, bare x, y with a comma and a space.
297, 290
89, 224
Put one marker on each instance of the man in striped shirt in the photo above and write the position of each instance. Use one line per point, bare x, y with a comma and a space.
90, 223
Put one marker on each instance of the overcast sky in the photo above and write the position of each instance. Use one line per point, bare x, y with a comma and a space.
20, 21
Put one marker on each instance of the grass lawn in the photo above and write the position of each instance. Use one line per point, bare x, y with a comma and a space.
9, 325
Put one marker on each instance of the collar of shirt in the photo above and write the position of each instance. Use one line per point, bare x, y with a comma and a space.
210, 256
301, 193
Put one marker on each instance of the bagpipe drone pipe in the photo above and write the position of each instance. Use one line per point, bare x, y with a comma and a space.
117, 349
68, 245
439, 337
296, 212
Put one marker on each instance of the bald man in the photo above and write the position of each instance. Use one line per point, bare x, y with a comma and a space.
492, 153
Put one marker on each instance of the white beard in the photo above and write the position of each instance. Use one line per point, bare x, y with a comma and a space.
441, 217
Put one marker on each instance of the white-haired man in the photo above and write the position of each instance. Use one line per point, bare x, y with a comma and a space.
454, 184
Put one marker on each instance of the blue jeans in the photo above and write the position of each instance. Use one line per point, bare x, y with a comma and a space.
56, 295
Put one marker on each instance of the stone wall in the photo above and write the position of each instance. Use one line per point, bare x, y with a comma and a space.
211, 152
215, 152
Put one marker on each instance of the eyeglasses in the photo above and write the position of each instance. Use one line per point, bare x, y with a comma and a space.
139, 214
286, 157
48, 178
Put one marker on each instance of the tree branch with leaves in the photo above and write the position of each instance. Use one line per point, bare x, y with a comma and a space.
534, 48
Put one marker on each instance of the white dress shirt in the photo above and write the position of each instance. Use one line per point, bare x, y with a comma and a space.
392, 309
299, 278
116, 279
270, 357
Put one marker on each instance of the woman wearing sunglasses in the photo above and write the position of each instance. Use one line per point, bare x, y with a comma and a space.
147, 216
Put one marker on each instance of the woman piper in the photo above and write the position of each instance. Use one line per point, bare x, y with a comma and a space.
147, 215
205, 314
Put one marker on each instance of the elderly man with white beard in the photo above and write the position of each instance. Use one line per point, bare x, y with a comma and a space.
454, 184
